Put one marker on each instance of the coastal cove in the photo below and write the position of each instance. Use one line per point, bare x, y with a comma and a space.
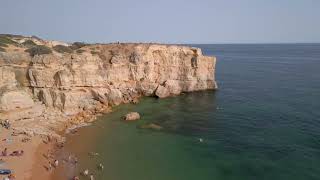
262, 123
49, 87
159, 90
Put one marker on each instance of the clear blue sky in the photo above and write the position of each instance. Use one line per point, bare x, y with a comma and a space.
167, 21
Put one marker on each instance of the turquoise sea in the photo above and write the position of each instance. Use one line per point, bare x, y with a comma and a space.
262, 124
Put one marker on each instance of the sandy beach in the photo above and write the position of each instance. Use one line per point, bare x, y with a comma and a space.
32, 164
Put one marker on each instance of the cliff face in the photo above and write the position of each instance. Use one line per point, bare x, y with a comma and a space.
41, 93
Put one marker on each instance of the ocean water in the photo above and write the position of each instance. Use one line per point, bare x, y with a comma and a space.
262, 123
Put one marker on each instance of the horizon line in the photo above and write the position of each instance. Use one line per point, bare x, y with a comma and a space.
176, 43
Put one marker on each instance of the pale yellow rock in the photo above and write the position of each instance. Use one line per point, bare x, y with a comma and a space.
162, 92
132, 116
100, 94
46, 97
173, 86
15, 100
7, 77
49, 90
114, 97
23, 114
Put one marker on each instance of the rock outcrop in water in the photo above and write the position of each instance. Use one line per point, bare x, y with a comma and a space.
43, 93
133, 116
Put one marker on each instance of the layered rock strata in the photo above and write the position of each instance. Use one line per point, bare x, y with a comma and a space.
46, 93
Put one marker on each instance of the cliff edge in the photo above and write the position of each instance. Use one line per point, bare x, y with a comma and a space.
47, 86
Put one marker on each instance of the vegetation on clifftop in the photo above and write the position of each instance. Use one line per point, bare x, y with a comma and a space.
79, 51
62, 49
38, 50
4, 41
94, 52
29, 43
3, 45
78, 45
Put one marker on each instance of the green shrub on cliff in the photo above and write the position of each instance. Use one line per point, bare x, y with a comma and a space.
79, 51
77, 45
29, 43
12, 36
38, 50
3, 45
94, 52
6, 40
62, 49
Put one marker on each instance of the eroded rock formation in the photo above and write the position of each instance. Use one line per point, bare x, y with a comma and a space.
42, 93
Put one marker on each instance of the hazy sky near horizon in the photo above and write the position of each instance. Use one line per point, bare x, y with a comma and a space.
166, 21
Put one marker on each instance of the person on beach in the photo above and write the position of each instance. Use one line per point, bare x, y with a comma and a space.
86, 172
17, 153
72, 160
6, 124
5, 152
49, 167
75, 161
101, 166
56, 163
91, 177
12, 177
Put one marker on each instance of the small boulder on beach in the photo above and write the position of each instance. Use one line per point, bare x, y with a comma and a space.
132, 116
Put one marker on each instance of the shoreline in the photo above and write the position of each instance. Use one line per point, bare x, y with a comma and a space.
23, 166
45, 154
40, 150
45, 94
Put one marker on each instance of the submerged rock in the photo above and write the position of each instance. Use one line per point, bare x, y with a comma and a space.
133, 116
151, 126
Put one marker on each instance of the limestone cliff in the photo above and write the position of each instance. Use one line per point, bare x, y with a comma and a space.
41, 93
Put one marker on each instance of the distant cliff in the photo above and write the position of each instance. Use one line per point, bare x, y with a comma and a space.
45, 85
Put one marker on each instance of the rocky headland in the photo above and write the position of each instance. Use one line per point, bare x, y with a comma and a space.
44, 92
47, 87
